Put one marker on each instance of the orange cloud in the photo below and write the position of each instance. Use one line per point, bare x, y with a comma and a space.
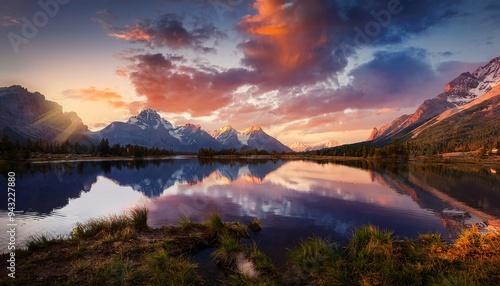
291, 41
385, 110
107, 95
133, 34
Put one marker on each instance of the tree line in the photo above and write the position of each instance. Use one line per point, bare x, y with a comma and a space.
412, 148
210, 153
18, 150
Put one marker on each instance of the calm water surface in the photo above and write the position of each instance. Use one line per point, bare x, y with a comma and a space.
293, 199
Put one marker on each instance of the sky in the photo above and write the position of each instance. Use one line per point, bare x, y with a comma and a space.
306, 71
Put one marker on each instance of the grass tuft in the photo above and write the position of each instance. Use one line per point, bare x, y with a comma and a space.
186, 223
315, 261
108, 227
42, 241
162, 269
372, 255
226, 254
214, 221
261, 261
255, 225
139, 218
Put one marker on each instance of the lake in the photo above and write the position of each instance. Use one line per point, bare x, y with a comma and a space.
293, 199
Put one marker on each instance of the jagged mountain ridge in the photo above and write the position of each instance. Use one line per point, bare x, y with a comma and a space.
251, 138
148, 129
28, 115
230, 138
458, 92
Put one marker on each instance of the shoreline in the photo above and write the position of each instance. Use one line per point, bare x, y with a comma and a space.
458, 157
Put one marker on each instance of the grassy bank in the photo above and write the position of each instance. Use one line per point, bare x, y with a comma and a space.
123, 250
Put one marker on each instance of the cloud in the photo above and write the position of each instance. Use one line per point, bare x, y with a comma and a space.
304, 42
394, 78
9, 21
452, 69
106, 13
170, 86
105, 95
292, 52
168, 30
290, 42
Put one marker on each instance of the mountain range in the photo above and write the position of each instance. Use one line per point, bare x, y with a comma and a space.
148, 129
250, 138
28, 115
466, 111
459, 94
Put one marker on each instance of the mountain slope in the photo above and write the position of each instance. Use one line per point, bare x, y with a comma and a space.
148, 129
258, 139
25, 114
469, 127
458, 92
230, 138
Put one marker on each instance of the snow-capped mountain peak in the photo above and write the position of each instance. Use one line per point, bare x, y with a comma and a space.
251, 138
191, 126
149, 118
149, 114
462, 90
252, 129
221, 131
150, 130
468, 87
299, 147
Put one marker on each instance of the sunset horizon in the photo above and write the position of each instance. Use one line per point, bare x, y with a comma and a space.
307, 71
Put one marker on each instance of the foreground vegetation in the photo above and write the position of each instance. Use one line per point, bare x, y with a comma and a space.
123, 250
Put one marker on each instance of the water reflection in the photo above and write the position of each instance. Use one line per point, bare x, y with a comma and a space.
294, 199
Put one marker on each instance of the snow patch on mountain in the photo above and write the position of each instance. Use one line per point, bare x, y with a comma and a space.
243, 138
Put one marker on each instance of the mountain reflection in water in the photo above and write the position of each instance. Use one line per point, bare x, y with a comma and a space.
294, 199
